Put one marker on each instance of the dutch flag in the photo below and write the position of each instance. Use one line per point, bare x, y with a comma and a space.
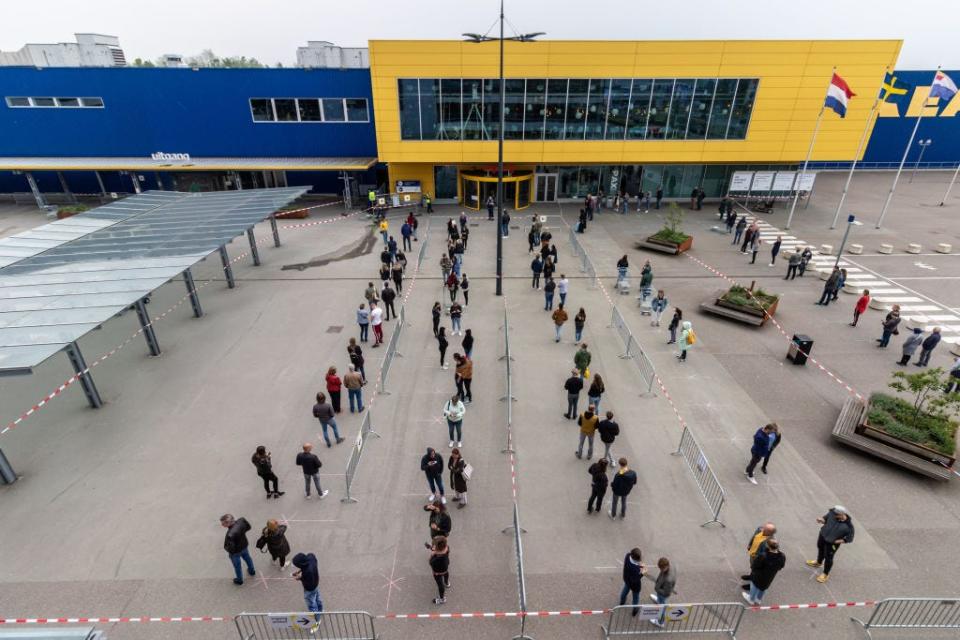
837, 95
942, 87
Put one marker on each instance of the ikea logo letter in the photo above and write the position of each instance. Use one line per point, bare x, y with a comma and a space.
919, 102
160, 155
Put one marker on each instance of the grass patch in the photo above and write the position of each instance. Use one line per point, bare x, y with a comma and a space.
760, 300
670, 236
896, 417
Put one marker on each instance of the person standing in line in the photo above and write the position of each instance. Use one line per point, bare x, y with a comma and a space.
674, 325
432, 466
490, 204
687, 339
261, 460
464, 237
953, 377
554, 255
531, 239
731, 220
236, 545
840, 282
456, 311
757, 546
754, 247
775, 249
376, 321
693, 198
310, 464
890, 324
406, 232
396, 274
609, 430
563, 285
465, 288
505, 224
595, 392
573, 386
467, 343
829, 287
793, 263
700, 197
385, 257
385, 272
309, 577
659, 198
623, 481
323, 412
598, 485
588, 427
582, 360
927, 348
663, 588
910, 346
622, 266
392, 247
440, 521
384, 229
353, 381
463, 376
446, 266
458, 477
837, 529
658, 305
759, 450
440, 560
747, 237
436, 312
763, 570
463, 221
356, 358
548, 288
646, 281
334, 386
860, 307
442, 344
805, 256
363, 320
388, 295
453, 286
741, 225
536, 267
775, 437
633, 572
371, 294
274, 538
549, 267
559, 317
578, 321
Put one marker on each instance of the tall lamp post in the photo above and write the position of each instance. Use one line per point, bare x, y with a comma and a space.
923, 147
476, 37
851, 221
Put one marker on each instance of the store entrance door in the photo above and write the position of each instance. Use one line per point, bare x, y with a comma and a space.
546, 187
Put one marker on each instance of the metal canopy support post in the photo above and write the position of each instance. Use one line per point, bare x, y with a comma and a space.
227, 269
41, 201
273, 228
147, 327
103, 189
253, 247
65, 186
7, 474
192, 290
83, 375
236, 179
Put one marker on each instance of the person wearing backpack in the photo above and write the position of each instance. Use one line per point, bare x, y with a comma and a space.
687, 339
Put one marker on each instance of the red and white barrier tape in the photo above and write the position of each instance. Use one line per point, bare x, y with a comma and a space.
813, 605
106, 620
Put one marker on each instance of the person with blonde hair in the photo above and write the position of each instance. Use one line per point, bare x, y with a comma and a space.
274, 538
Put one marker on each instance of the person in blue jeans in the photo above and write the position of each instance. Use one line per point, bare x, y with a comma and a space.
548, 288
633, 572
323, 412
309, 577
621, 486
432, 466
505, 224
235, 544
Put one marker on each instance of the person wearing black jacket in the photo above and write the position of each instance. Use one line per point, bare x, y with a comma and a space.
623, 481
442, 345
388, 295
763, 569
440, 566
261, 460
537, 268
633, 572
274, 538
432, 466
573, 385
310, 464
440, 522
609, 430
235, 544
598, 484
837, 529
927, 347
309, 577
436, 312
777, 436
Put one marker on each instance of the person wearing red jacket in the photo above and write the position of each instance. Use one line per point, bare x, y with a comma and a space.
861, 307
334, 384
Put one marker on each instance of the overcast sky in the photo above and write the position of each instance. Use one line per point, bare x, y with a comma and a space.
271, 31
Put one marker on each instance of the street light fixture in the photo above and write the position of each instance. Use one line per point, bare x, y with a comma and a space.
478, 38
923, 147
851, 221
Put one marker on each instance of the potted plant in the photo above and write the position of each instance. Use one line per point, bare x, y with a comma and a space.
671, 238
752, 302
70, 210
925, 425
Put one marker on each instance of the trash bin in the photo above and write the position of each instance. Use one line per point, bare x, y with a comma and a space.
800, 348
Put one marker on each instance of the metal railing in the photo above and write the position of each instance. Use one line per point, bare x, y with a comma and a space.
423, 247
391, 352
655, 619
913, 613
586, 265
333, 625
706, 479
633, 350
366, 429
521, 578
508, 397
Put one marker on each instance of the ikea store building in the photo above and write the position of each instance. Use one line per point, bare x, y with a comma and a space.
580, 117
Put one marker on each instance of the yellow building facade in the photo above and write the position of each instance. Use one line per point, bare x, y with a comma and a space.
629, 116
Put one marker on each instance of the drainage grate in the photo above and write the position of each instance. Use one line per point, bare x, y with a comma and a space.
335, 328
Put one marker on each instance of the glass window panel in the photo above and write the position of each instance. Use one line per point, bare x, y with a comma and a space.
18, 102
473, 109
720, 111
357, 110
589, 181
569, 177
680, 108
673, 181
659, 109
691, 179
639, 109
513, 113
523, 193
445, 181
742, 108
534, 109
286, 109
630, 177
43, 102
714, 180
700, 111
92, 102
409, 109
652, 178
262, 109
430, 108
619, 107
309, 109
556, 109
576, 109
450, 109
491, 108
597, 109
68, 102
333, 110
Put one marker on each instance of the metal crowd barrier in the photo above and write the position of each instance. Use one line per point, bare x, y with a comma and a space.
423, 246
333, 625
706, 479
633, 350
714, 617
391, 352
521, 579
586, 265
366, 429
508, 398
913, 613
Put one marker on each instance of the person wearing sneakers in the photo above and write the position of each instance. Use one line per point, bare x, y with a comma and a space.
559, 317
453, 411
323, 412
442, 345
758, 546
236, 545
273, 538
861, 307
621, 486
456, 311
310, 463
309, 577
664, 587
760, 449
763, 569
609, 430
573, 386
588, 427
837, 529
353, 381
432, 466
582, 359
458, 477
633, 572
687, 339
927, 348
261, 460
440, 566
463, 377
440, 522
376, 321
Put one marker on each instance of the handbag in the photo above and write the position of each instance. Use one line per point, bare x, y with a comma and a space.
586, 372
467, 471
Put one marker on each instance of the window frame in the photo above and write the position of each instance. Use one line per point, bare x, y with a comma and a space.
10, 105
273, 114
83, 99
33, 103
366, 108
296, 103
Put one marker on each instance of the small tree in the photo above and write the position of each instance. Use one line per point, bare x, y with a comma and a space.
674, 218
928, 392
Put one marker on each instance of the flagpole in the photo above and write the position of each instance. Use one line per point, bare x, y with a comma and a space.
856, 157
813, 140
947, 194
906, 151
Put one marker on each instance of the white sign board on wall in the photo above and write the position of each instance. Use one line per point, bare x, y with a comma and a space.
806, 182
784, 180
762, 181
740, 181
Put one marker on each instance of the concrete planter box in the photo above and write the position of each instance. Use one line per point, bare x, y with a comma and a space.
751, 311
869, 431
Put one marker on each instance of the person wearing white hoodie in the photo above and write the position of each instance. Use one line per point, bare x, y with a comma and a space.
453, 411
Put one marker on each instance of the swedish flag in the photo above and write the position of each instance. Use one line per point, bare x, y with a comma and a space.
890, 88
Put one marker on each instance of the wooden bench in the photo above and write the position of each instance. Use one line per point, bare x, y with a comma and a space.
851, 415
